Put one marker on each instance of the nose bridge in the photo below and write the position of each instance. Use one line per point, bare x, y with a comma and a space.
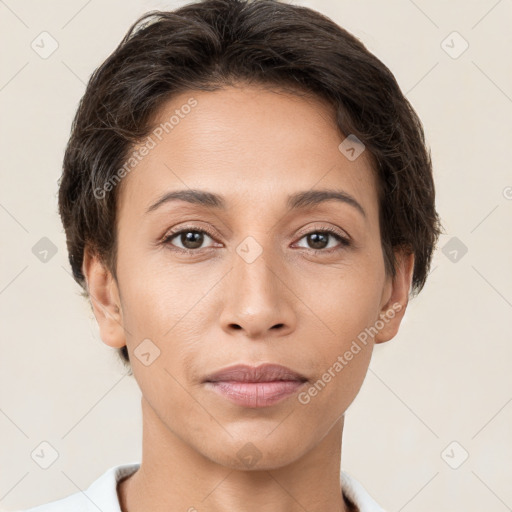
252, 268
256, 298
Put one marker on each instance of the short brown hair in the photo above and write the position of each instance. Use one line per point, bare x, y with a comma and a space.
214, 43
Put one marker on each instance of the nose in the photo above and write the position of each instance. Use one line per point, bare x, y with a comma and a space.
257, 299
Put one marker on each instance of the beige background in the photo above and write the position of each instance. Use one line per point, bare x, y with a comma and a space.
445, 377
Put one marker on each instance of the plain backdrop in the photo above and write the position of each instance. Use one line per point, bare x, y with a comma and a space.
431, 427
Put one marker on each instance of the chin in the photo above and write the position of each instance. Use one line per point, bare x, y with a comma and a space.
258, 452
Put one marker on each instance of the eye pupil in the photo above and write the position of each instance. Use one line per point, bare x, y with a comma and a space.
193, 237
314, 239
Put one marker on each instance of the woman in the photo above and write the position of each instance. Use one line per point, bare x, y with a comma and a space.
248, 203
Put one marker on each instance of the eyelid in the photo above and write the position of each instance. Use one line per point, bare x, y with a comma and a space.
329, 229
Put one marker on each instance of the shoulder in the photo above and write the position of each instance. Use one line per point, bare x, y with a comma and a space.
100, 495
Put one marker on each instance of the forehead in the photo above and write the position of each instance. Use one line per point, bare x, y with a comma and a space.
248, 144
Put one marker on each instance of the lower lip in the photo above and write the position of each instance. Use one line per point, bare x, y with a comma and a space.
256, 394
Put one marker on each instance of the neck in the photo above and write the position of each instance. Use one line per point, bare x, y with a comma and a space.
173, 476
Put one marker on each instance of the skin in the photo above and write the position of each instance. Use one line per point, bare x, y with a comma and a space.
293, 305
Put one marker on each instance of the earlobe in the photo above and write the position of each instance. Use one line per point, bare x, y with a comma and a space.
105, 300
393, 310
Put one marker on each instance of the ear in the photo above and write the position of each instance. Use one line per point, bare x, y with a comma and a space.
395, 298
105, 300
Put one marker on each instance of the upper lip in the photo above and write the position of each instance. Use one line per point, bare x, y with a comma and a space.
263, 373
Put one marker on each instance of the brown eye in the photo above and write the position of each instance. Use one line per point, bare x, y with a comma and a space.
319, 240
190, 239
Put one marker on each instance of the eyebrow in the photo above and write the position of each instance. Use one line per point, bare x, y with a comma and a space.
296, 201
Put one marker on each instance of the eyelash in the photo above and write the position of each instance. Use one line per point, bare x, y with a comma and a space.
345, 242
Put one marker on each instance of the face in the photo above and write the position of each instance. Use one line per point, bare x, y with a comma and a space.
267, 271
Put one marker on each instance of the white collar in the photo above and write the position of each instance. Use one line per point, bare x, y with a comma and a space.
102, 494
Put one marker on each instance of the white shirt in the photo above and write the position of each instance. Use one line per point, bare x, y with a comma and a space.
102, 494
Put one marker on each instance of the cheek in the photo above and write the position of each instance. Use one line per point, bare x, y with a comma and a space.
171, 308
156, 294
329, 396
346, 305
345, 299
340, 356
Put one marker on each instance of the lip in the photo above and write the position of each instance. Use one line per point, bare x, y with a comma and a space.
262, 373
255, 386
